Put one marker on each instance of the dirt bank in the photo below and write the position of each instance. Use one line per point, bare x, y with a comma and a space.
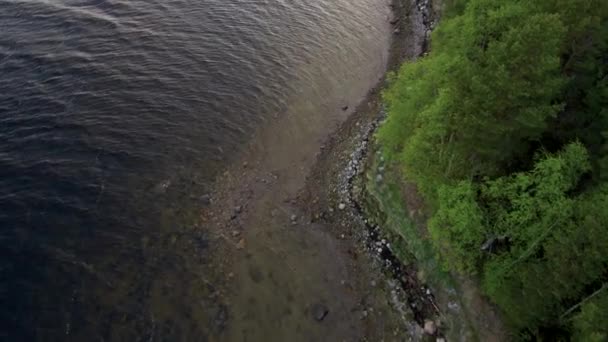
290, 258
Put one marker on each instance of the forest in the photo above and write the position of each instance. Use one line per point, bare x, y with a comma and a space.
503, 127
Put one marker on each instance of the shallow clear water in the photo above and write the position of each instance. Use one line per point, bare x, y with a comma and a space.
114, 118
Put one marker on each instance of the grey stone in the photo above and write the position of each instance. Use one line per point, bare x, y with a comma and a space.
430, 327
319, 312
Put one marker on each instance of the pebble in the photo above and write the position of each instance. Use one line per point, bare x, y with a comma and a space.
241, 244
238, 209
341, 206
294, 218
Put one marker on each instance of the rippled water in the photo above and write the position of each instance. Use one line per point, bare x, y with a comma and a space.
114, 117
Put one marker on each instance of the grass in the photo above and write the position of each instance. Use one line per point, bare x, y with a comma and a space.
385, 204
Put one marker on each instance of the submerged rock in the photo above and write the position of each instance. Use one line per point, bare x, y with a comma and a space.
205, 199
162, 187
319, 312
221, 317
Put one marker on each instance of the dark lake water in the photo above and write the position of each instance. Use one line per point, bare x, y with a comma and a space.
115, 116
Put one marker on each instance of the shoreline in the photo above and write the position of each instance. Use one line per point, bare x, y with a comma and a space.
300, 226
352, 146
453, 307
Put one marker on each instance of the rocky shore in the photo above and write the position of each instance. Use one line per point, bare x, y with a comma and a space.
294, 256
351, 163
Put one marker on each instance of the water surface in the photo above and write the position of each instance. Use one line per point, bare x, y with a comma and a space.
114, 118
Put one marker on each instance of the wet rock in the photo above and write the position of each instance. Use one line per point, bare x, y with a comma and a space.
241, 244
205, 199
319, 312
430, 327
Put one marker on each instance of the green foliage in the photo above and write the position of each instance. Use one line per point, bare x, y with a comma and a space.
457, 228
504, 129
485, 92
452, 8
590, 323
535, 211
